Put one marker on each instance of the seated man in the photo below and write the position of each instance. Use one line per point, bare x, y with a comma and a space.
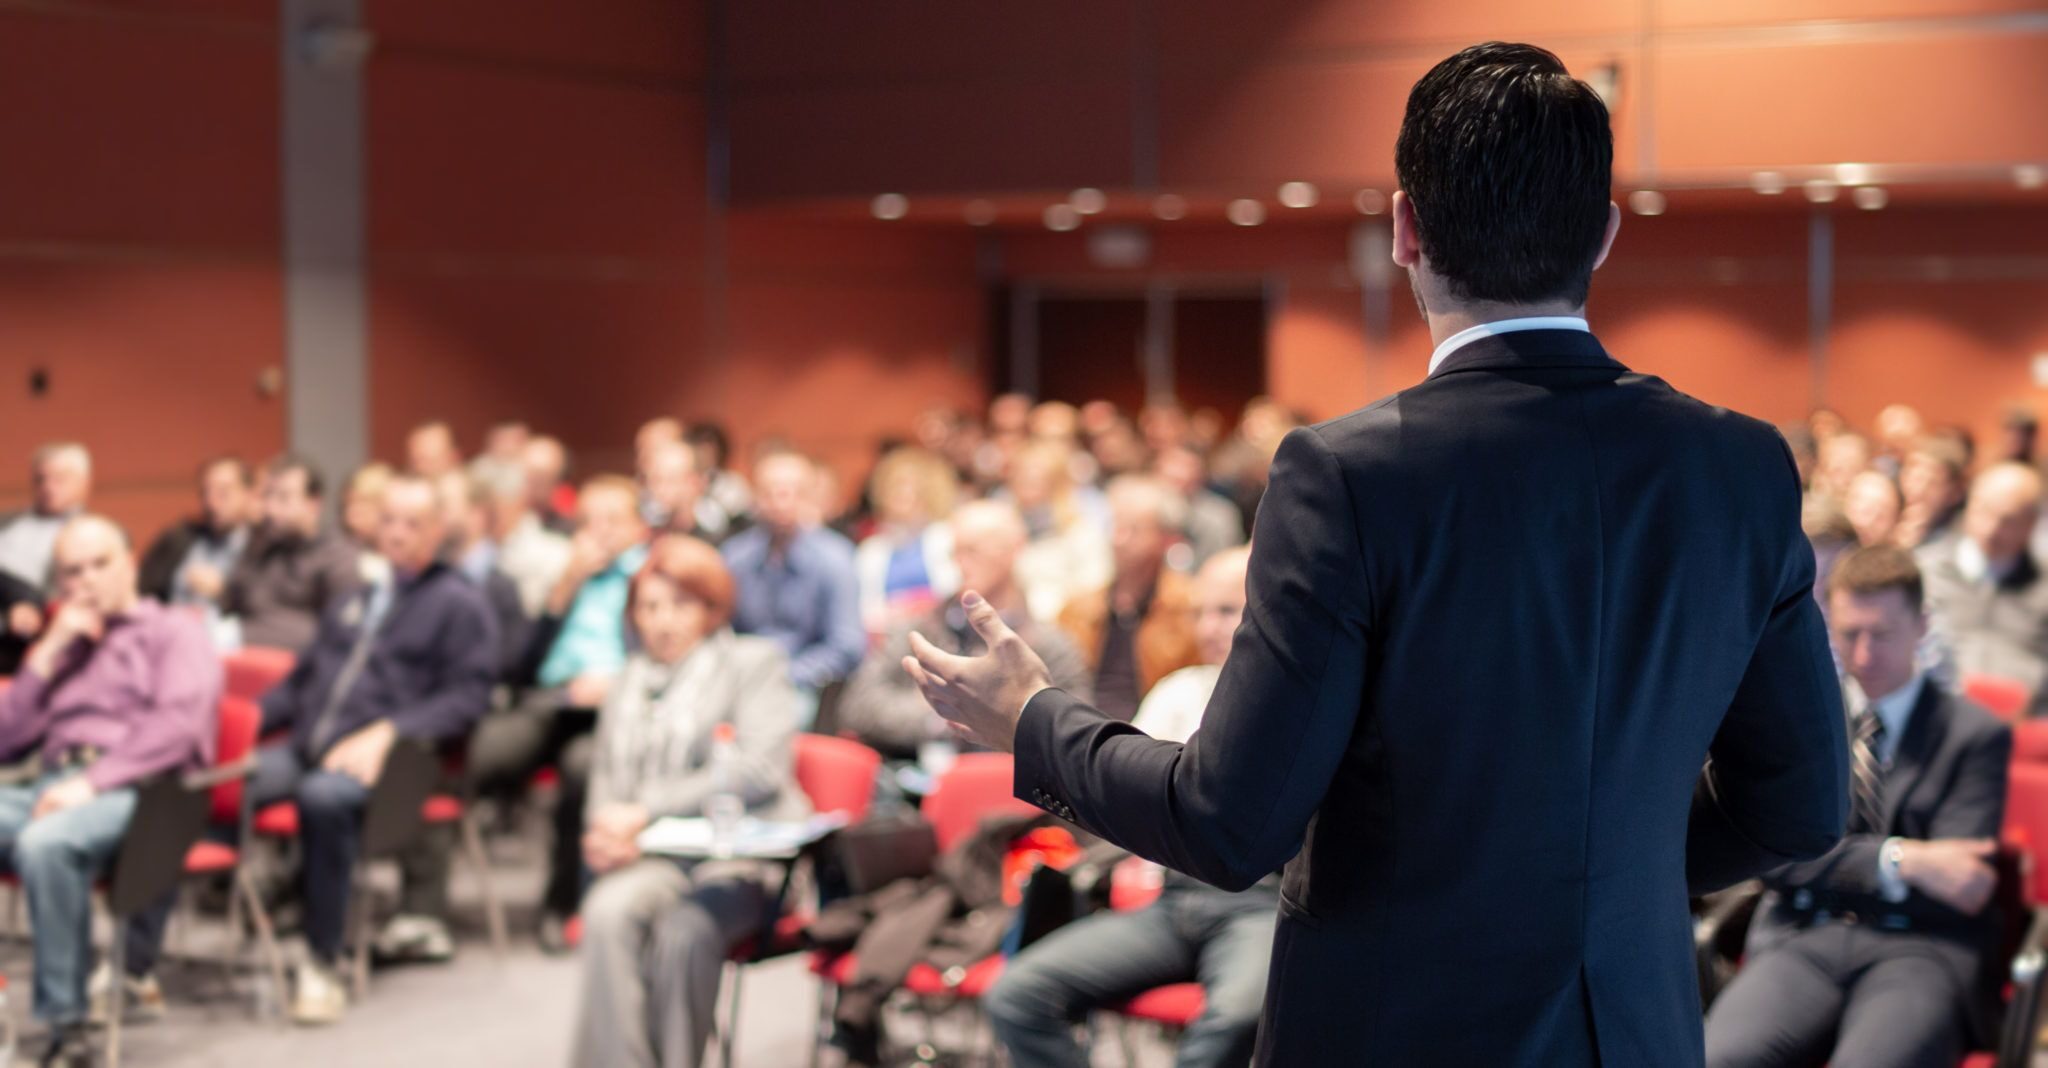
796, 578
1874, 954
293, 570
116, 690
414, 656
189, 563
580, 642
1137, 629
882, 706
1987, 596
1193, 932
61, 475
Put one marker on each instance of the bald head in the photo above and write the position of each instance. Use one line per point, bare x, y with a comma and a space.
95, 566
987, 538
412, 525
2004, 503
1219, 602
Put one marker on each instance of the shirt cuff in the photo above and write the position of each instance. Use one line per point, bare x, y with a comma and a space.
1891, 886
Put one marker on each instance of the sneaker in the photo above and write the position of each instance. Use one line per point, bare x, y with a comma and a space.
67, 1047
141, 1002
411, 939
318, 996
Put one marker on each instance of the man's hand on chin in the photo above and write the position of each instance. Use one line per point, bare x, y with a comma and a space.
981, 696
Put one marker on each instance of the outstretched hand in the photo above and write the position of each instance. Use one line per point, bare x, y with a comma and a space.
982, 697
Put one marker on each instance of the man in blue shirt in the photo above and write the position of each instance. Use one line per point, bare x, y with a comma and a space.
796, 578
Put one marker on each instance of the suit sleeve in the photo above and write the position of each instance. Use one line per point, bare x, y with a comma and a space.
1776, 786
1231, 805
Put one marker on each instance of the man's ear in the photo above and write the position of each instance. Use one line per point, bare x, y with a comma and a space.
1607, 239
1407, 246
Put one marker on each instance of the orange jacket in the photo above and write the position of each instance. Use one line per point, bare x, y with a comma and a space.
1166, 638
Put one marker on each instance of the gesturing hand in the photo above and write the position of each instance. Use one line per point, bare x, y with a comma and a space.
981, 696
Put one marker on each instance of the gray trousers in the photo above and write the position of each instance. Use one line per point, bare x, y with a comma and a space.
655, 939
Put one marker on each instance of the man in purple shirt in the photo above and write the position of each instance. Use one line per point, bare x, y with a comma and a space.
116, 690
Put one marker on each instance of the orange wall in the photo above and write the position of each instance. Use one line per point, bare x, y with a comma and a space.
139, 243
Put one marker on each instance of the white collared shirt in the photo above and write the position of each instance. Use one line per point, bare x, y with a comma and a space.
1894, 710
1503, 326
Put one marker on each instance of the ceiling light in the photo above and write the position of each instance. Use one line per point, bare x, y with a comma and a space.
1822, 191
1769, 183
1062, 217
1646, 202
1870, 197
1299, 195
1852, 173
1170, 206
1369, 201
890, 206
1087, 201
1246, 212
2030, 176
979, 213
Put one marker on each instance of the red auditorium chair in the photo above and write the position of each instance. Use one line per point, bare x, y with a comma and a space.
253, 670
2006, 699
976, 787
838, 776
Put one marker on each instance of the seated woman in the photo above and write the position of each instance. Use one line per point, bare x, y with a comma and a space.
655, 930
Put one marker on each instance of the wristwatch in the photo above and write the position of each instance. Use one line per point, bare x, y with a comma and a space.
1891, 885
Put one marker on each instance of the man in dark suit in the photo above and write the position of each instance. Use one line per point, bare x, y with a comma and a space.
1880, 948
1497, 625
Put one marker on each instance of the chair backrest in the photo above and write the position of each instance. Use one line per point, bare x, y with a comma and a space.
2004, 698
240, 719
837, 774
253, 670
977, 786
2026, 825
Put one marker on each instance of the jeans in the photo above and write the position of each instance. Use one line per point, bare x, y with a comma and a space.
57, 857
330, 836
1191, 933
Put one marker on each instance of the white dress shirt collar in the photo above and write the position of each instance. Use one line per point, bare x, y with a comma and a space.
1894, 710
1503, 326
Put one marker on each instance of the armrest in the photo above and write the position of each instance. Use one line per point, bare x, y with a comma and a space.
219, 774
1718, 932
2023, 1012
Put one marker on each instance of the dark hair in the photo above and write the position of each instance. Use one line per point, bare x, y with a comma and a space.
1878, 568
714, 435
1507, 160
316, 485
241, 466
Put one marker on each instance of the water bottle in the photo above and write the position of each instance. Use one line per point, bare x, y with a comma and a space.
724, 808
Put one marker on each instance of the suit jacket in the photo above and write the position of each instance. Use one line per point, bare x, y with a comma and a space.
1946, 780
1165, 641
1496, 626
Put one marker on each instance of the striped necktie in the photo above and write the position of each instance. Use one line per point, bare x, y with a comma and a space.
1866, 783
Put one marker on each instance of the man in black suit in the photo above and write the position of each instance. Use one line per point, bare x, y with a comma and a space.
1880, 948
1497, 624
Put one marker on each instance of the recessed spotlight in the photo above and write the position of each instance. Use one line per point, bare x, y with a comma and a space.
890, 206
1822, 191
1369, 201
1299, 195
2030, 176
979, 213
1170, 206
1852, 173
1062, 217
1870, 197
1087, 201
1246, 212
1646, 202
1769, 183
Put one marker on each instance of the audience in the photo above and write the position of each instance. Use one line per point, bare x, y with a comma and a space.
1213, 523
796, 579
1874, 953
2019, 433
1069, 551
1986, 592
547, 471
190, 561
293, 569
882, 706
1193, 932
1137, 629
1872, 507
906, 565
530, 553
412, 657
672, 492
430, 450
1934, 480
466, 513
728, 502
581, 641
360, 500
1843, 456
657, 930
117, 689
60, 478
